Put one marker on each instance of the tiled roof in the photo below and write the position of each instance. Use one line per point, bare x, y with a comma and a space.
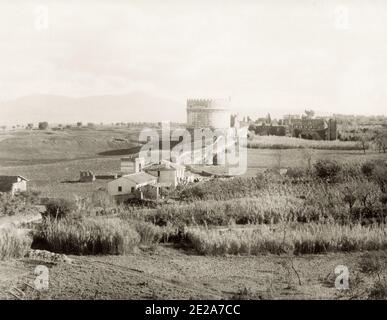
6, 182
12, 178
164, 166
139, 178
159, 167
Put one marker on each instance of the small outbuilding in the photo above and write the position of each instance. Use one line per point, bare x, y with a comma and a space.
167, 172
86, 176
13, 184
130, 186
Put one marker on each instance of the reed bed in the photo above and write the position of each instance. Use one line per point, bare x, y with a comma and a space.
309, 202
297, 239
14, 243
87, 236
268, 209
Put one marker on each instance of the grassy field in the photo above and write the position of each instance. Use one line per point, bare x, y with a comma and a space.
260, 159
59, 179
36, 147
275, 142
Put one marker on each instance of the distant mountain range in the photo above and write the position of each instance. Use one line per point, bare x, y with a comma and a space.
133, 107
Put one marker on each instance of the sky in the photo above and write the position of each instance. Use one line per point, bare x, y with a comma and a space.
267, 56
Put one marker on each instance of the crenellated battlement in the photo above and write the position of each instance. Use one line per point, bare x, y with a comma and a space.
208, 103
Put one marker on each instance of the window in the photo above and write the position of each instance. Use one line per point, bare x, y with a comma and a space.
119, 189
158, 174
132, 189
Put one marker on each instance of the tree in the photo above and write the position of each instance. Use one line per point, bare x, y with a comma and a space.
59, 208
381, 141
363, 142
308, 155
278, 161
43, 125
30, 126
380, 176
79, 124
3, 127
309, 114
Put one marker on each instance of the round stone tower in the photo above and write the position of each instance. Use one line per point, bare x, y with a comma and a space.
208, 113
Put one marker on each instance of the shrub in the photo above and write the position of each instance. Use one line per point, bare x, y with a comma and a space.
350, 170
327, 169
15, 205
59, 208
102, 199
149, 233
296, 173
377, 171
218, 189
43, 125
379, 291
383, 198
14, 243
373, 263
86, 236
380, 176
367, 168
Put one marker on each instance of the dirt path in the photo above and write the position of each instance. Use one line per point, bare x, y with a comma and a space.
167, 273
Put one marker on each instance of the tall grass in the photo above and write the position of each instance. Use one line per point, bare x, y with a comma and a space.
298, 239
87, 236
300, 202
275, 142
149, 233
265, 209
219, 189
14, 243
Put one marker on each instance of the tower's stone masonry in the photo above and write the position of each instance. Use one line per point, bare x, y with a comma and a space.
208, 113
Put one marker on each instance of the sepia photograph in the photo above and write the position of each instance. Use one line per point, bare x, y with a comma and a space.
221, 151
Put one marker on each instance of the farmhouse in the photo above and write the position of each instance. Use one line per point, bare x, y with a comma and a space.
167, 173
130, 165
315, 129
13, 184
130, 186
